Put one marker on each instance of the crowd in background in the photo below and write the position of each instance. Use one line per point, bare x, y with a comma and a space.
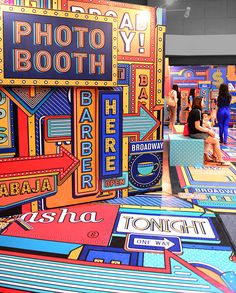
200, 122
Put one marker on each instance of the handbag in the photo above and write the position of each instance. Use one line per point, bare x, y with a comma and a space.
170, 100
186, 130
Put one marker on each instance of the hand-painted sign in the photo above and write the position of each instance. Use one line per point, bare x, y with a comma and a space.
183, 227
142, 124
57, 128
6, 126
153, 243
94, 223
217, 76
57, 48
63, 163
145, 170
136, 26
86, 141
21, 190
110, 134
116, 183
139, 147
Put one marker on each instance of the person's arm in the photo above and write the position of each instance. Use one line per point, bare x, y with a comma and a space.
206, 124
191, 102
204, 129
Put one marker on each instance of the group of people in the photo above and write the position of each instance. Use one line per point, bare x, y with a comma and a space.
198, 120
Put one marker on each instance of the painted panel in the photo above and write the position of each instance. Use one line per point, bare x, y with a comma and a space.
6, 126
104, 244
206, 80
57, 49
86, 141
64, 114
135, 26
110, 134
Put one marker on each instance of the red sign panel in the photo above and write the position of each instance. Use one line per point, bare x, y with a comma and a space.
94, 223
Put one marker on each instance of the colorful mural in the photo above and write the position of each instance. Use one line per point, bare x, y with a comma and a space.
146, 243
81, 102
206, 80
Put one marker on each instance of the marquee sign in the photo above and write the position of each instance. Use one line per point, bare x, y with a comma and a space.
26, 189
136, 40
110, 134
86, 141
184, 227
57, 48
59, 68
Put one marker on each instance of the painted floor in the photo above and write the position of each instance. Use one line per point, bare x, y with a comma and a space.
145, 243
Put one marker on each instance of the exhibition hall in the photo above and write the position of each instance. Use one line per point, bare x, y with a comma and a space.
119, 119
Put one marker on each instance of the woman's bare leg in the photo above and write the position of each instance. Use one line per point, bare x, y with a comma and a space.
216, 147
172, 117
206, 147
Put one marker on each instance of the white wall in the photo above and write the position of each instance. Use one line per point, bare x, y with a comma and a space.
195, 45
210, 29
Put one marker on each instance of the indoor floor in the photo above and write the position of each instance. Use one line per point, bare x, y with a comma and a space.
179, 240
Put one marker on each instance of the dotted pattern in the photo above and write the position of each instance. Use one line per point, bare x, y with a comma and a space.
209, 256
179, 271
185, 151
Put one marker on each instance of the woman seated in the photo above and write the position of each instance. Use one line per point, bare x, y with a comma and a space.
197, 131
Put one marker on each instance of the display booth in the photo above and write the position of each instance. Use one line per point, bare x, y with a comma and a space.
81, 130
206, 81
81, 102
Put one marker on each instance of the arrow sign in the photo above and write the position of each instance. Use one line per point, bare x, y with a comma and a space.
154, 243
143, 123
165, 243
63, 163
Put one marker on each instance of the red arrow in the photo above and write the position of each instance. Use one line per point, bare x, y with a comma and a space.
63, 163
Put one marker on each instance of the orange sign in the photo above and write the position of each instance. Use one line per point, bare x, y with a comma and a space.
135, 26
25, 189
86, 141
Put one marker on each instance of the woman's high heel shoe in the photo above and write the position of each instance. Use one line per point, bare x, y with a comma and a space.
207, 159
214, 158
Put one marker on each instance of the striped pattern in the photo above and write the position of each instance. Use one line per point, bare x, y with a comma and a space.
59, 128
37, 275
142, 124
155, 200
57, 104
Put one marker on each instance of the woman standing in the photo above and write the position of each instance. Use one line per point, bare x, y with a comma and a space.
197, 131
172, 104
191, 98
223, 113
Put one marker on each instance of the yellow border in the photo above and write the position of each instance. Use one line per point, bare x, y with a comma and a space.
160, 58
29, 176
64, 14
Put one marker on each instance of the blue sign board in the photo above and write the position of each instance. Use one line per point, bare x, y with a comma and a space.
154, 243
139, 147
50, 47
110, 136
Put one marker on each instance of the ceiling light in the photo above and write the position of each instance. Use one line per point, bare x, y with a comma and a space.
186, 11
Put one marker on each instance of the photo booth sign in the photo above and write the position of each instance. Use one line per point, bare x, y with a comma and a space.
57, 48
83, 90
